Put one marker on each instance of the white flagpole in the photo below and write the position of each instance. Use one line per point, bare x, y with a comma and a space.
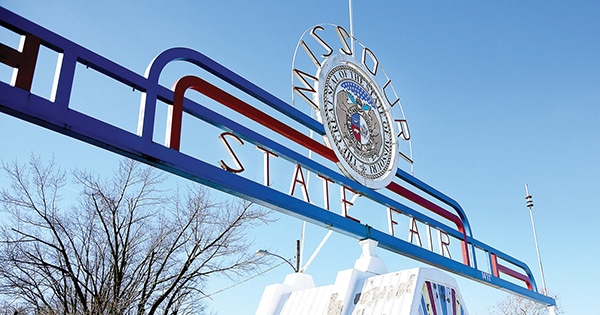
351, 27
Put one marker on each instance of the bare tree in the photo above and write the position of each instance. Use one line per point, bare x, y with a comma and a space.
518, 305
126, 247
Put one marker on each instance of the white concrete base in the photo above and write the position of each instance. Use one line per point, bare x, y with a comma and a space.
366, 289
274, 293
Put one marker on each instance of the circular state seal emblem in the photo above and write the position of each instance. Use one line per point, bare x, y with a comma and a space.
358, 122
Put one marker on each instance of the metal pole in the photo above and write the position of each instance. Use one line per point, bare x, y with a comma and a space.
529, 202
314, 254
297, 255
351, 27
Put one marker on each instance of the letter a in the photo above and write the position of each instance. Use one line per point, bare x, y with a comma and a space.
414, 230
299, 180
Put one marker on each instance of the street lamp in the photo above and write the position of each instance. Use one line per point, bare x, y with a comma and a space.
264, 252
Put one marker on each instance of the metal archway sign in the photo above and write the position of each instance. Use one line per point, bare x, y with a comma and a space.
405, 197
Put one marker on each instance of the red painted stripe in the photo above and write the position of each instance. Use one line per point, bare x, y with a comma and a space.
202, 86
494, 259
515, 275
24, 60
498, 268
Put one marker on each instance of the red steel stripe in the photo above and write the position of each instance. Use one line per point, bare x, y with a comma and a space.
24, 61
497, 268
515, 275
202, 86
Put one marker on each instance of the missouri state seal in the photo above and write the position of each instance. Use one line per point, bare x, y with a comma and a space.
358, 123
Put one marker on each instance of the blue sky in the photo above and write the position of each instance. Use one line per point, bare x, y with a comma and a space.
497, 94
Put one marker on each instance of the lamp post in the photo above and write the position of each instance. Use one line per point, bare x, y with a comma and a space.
264, 252
529, 202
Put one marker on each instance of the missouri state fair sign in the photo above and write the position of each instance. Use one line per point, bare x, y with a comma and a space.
360, 155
